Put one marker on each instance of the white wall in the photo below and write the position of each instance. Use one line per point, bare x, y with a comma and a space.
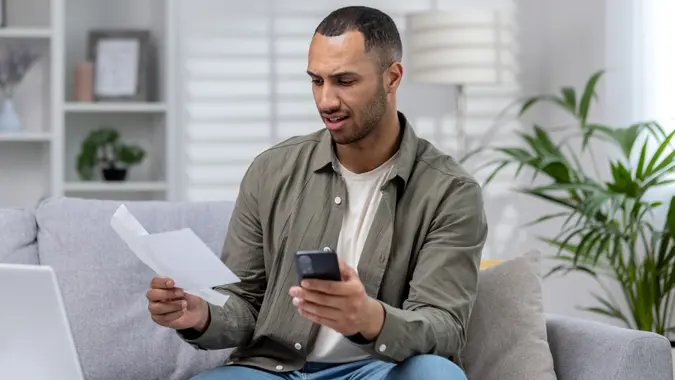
563, 43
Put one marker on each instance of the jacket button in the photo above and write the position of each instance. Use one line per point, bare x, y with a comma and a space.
383, 347
298, 346
280, 367
338, 200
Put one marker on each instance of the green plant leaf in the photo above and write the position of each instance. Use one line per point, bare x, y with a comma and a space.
130, 154
559, 201
570, 98
561, 102
588, 94
623, 181
639, 174
655, 158
670, 219
496, 171
609, 310
545, 218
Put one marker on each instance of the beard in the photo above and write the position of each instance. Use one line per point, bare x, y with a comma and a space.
372, 113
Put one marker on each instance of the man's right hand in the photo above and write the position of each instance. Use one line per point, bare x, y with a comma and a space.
172, 307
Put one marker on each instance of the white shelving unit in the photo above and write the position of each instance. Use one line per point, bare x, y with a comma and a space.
135, 186
26, 137
73, 107
41, 160
33, 33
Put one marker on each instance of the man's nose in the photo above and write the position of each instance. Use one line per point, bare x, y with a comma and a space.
328, 100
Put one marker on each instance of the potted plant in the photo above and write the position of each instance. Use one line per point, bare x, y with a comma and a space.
609, 228
102, 148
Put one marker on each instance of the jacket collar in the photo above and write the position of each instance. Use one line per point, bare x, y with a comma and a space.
405, 162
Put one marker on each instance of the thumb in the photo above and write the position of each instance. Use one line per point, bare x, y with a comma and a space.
346, 271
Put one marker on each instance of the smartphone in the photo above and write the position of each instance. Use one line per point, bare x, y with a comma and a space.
318, 265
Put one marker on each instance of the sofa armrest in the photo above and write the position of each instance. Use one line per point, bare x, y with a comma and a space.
587, 350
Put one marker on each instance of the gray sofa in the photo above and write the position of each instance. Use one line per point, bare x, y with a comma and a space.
104, 287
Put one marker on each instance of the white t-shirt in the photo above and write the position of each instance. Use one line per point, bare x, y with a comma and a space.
364, 195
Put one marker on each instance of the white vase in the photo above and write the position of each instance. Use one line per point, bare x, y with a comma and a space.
9, 118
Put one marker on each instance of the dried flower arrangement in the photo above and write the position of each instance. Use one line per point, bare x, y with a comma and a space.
15, 62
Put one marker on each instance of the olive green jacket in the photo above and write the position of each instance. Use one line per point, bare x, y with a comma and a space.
421, 258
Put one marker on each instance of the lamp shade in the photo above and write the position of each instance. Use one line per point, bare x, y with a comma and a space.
469, 46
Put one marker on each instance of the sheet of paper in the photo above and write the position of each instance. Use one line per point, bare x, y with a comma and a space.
129, 229
180, 255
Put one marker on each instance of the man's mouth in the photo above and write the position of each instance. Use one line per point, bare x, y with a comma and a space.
335, 122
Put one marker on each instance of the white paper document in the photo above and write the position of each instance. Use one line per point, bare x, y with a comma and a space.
180, 255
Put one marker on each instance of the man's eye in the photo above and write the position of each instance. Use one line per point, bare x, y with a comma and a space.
346, 82
317, 82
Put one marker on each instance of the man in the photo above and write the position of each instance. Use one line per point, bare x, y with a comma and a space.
406, 221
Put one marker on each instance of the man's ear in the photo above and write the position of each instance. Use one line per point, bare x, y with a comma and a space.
394, 74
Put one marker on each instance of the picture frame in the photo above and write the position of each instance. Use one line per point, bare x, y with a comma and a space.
121, 62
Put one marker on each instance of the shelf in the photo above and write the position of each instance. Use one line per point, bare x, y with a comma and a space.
25, 137
35, 33
115, 186
117, 107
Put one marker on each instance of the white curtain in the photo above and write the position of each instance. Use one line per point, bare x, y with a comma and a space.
640, 61
656, 63
654, 73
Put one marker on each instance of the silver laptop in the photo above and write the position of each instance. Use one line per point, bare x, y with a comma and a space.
35, 337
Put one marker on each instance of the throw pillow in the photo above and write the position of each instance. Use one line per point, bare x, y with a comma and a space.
18, 232
506, 338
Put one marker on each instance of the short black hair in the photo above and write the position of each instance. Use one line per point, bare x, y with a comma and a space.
378, 29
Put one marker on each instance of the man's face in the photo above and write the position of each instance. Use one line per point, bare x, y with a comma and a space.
348, 88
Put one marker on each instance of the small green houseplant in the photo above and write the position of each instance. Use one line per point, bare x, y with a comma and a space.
609, 230
102, 149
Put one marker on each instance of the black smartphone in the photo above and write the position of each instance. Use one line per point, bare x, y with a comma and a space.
317, 264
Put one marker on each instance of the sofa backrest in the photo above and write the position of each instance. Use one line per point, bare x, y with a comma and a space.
104, 284
18, 233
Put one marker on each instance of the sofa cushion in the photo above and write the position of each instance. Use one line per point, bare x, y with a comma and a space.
104, 285
506, 338
18, 233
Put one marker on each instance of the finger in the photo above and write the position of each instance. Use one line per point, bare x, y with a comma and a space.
319, 314
162, 308
347, 271
164, 295
162, 283
335, 302
166, 319
325, 312
336, 288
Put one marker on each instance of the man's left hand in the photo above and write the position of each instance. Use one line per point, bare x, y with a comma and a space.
342, 306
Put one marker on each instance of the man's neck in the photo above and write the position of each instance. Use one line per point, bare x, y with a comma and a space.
375, 149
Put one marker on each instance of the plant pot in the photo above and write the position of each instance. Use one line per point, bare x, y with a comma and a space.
114, 174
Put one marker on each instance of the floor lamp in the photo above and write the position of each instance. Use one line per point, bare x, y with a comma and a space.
462, 48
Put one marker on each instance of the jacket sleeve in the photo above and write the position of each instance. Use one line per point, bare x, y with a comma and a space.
232, 325
433, 319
